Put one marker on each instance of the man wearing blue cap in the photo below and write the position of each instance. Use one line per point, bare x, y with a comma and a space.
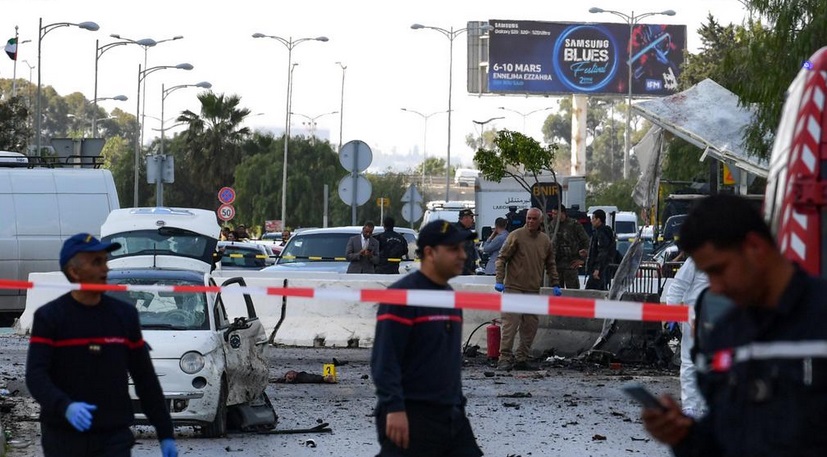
417, 360
84, 347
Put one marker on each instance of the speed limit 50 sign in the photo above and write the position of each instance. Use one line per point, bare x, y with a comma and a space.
226, 212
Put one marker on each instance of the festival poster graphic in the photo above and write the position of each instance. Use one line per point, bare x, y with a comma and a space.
563, 58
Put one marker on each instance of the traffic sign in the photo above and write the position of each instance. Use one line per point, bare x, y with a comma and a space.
355, 156
411, 212
226, 195
383, 202
226, 212
412, 195
360, 186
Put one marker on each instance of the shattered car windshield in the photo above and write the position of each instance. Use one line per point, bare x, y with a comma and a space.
166, 310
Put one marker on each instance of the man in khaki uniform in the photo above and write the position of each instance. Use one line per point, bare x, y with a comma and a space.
572, 246
525, 254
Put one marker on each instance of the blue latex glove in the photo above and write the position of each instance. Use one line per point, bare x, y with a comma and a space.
168, 448
79, 414
499, 287
557, 292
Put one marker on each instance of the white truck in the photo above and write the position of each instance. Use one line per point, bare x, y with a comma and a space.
494, 199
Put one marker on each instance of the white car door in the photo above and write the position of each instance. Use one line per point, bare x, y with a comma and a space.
244, 342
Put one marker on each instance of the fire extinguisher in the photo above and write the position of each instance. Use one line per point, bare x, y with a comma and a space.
493, 339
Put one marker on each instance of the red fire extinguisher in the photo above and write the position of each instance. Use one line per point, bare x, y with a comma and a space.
493, 339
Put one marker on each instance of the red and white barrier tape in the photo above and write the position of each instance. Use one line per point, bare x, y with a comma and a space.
484, 301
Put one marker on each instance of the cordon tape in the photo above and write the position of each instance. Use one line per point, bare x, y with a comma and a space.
483, 301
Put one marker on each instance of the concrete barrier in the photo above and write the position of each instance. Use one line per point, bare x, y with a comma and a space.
309, 322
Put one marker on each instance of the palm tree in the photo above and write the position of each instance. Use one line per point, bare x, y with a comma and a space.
213, 145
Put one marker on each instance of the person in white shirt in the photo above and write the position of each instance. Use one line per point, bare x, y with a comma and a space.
688, 283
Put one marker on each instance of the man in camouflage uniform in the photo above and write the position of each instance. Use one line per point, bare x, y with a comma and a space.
572, 246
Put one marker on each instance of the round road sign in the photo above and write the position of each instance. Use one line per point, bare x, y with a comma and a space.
226, 195
355, 156
226, 212
363, 189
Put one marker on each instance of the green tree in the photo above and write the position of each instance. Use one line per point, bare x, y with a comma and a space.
14, 129
213, 145
774, 55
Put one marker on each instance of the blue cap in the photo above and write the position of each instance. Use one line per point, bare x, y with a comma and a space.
83, 242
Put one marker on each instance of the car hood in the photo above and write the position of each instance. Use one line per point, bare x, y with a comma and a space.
172, 344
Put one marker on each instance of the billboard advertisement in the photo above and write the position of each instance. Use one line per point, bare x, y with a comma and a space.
564, 58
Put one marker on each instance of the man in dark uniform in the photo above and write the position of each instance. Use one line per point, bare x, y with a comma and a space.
466, 222
393, 246
601, 252
417, 360
84, 348
763, 368
572, 244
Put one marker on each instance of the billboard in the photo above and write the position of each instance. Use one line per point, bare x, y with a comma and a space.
563, 58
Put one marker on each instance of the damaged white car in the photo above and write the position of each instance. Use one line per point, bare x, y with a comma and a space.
208, 349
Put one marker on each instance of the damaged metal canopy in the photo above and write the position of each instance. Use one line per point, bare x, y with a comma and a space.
708, 116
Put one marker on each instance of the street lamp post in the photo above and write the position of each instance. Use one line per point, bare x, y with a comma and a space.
450, 34
159, 184
289, 43
42, 31
525, 115
99, 50
120, 98
311, 122
482, 127
146, 65
425, 118
341, 103
632, 20
142, 74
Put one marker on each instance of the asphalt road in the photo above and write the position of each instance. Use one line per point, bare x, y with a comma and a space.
564, 409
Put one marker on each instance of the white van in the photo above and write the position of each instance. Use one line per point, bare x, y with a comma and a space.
39, 209
625, 224
464, 177
447, 211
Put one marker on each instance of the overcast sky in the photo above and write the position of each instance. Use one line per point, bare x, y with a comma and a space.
389, 65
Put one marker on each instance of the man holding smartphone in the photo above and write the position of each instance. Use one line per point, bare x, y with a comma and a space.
763, 369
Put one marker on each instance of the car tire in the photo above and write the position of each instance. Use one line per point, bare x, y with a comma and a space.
218, 427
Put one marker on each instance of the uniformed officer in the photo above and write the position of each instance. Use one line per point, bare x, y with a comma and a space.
572, 245
763, 369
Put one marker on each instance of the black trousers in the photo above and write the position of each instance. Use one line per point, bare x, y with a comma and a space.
63, 442
434, 431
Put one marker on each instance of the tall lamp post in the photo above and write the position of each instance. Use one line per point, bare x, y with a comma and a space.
43, 30
341, 103
450, 34
146, 65
159, 183
142, 74
289, 43
632, 20
311, 122
425, 118
525, 115
99, 50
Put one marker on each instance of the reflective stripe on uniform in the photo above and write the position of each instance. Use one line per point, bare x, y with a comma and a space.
723, 359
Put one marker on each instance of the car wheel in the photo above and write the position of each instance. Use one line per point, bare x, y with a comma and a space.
218, 427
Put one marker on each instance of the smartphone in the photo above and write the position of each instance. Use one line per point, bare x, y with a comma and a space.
640, 393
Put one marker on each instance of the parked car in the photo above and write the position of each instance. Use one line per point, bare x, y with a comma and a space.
324, 249
238, 255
